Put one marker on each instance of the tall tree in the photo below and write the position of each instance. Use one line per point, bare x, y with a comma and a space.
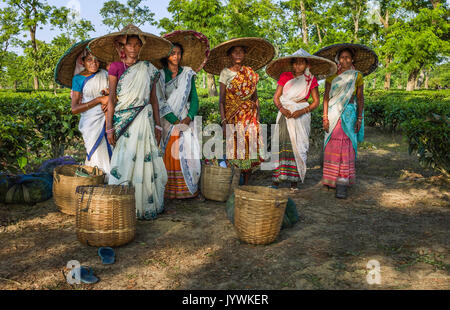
117, 15
420, 42
31, 15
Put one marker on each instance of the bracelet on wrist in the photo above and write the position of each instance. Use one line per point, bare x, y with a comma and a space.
110, 130
158, 127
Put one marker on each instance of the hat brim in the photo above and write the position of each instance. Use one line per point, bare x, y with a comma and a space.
259, 52
320, 67
365, 60
154, 48
66, 64
195, 45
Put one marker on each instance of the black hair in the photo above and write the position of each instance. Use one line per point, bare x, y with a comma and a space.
165, 60
231, 49
85, 56
134, 36
346, 50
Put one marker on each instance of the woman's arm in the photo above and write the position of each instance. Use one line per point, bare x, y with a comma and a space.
326, 99
360, 97
112, 99
255, 99
311, 107
276, 100
156, 118
78, 107
222, 102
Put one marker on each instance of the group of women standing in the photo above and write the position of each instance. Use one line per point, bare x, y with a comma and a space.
134, 90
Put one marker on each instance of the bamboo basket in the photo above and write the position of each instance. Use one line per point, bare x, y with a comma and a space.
259, 213
218, 183
106, 215
65, 184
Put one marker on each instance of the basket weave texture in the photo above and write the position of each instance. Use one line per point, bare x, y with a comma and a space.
365, 60
65, 184
259, 213
218, 183
106, 215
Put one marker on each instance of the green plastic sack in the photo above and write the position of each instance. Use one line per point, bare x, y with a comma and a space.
290, 215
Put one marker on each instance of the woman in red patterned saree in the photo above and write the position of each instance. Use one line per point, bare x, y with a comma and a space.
239, 105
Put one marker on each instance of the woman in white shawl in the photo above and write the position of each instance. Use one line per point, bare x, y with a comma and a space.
89, 88
294, 119
133, 126
181, 148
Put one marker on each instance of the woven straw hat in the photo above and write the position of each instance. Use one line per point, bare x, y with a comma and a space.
65, 67
195, 45
365, 60
259, 52
153, 48
320, 67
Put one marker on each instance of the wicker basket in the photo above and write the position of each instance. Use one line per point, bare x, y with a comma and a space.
217, 183
106, 215
259, 213
65, 183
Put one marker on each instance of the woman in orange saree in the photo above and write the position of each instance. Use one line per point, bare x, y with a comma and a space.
239, 106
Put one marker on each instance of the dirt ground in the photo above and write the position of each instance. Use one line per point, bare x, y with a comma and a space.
397, 213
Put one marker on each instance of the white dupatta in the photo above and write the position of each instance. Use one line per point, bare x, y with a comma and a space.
175, 94
342, 89
296, 90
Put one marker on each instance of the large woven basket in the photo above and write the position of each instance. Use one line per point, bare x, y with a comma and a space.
259, 213
217, 183
65, 183
106, 215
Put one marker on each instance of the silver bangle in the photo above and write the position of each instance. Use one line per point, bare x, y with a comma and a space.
158, 127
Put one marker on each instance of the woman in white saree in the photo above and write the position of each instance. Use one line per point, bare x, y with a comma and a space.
133, 126
296, 84
88, 89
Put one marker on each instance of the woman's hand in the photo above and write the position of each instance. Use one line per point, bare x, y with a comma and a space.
157, 136
358, 125
104, 102
326, 124
299, 113
111, 138
186, 121
286, 112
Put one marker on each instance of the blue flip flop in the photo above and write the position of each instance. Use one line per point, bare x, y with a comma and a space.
87, 275
107, 254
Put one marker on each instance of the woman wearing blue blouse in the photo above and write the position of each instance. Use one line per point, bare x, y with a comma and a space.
89, 97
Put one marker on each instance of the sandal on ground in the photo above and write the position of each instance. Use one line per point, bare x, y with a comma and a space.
86, 275
107, 254
341, 191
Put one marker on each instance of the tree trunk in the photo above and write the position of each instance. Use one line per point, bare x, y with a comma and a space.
374, 82
212, 89
387, 77
15, 85
34, 45
204, 80
427, 78
318, 33
412, 80
304, 25
420, 79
